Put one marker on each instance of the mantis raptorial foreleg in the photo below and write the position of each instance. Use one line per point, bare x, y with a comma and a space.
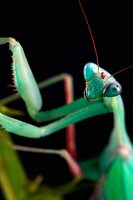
27, 130
21, 66
21, 71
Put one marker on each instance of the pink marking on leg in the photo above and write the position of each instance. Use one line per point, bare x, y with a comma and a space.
124, 151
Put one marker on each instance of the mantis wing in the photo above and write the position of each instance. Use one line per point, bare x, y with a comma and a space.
119, 182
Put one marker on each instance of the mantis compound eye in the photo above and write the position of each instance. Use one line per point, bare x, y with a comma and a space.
90, 70
112, 89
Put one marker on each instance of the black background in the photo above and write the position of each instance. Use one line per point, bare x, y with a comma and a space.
55, 38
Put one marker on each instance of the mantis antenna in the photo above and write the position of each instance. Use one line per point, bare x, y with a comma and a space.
121, 70
90, 31
94, 45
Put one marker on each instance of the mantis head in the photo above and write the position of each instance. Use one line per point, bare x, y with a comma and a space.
99, 83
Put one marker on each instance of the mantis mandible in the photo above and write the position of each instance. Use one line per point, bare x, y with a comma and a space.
99, 98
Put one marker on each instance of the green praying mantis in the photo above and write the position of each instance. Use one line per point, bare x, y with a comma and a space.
101, 96
113, 169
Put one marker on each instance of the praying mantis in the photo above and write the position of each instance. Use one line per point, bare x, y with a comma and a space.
97, 79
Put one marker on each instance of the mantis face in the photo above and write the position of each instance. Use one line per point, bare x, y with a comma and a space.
99, 83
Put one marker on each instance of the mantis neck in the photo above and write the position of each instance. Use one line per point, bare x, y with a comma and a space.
119, 143
119, 135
